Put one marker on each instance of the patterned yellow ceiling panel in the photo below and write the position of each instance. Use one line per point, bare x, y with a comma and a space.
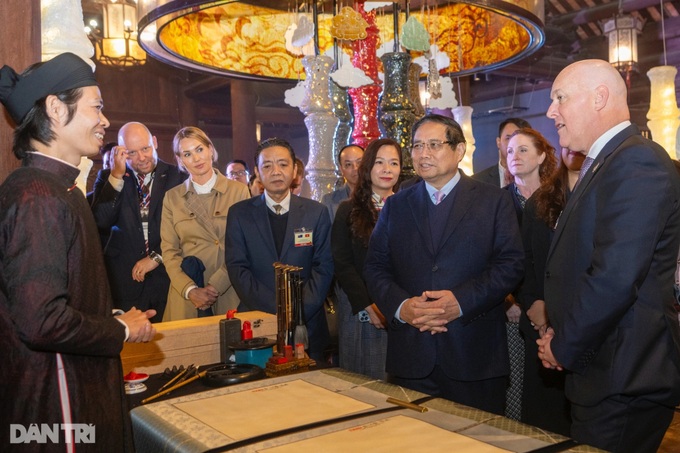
239, 38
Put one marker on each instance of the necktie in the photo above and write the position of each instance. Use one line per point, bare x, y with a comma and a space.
438, 196
144, 199
277, 208
143, 191
584, 168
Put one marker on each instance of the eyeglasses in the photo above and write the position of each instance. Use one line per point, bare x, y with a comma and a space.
432, 145
145, 150
237, 174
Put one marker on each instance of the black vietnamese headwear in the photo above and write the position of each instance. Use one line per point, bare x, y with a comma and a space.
64, 72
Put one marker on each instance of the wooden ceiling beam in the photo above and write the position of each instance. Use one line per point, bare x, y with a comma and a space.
599, 12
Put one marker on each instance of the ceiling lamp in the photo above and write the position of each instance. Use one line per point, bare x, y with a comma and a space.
622, 33
663, 107
246, 38
115, 42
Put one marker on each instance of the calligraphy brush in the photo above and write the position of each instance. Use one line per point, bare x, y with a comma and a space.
300, 335
175, 387
177, 377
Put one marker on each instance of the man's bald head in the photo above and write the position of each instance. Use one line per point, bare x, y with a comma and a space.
140, 147
589, 97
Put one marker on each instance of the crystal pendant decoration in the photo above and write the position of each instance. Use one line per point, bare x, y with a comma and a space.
365, 98
434, 86
341, 107
396, 109
321, 125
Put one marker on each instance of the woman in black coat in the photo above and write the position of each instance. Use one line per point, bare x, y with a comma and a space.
543, 401
361, 326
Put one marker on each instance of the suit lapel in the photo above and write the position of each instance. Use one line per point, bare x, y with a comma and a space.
463, 198
158, 189
417, 201
261, 222
131, 194
599, 162
295, 215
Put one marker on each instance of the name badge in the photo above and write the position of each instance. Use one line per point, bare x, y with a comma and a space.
303, 237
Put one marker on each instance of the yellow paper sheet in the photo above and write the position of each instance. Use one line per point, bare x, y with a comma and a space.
263, 410
398, 433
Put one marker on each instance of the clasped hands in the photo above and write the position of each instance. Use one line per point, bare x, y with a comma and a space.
431, 311
203, 298
545, 353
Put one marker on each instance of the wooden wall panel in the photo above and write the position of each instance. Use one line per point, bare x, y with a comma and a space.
151, 94
20, 38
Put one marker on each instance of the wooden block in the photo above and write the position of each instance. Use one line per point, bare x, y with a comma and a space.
290, 367
188, 341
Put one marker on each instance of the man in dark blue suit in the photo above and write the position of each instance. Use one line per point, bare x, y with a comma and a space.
442, 257
610, 268
127, 203
262, 231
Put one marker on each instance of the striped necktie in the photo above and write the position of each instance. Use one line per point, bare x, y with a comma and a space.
584, 169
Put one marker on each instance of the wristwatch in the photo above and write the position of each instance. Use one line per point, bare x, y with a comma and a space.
156, 257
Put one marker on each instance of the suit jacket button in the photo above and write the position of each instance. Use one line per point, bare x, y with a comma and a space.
435, 268
547, 274
217, 242
217, 213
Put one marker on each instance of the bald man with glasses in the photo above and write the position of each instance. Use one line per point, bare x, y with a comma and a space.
127, 205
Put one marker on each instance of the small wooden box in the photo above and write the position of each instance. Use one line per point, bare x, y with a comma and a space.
188, 341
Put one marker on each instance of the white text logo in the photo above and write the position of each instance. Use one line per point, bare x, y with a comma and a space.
76, 433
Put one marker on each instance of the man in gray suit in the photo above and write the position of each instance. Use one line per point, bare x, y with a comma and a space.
349, 159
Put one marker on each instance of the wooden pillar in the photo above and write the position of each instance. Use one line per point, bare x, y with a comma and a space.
244, 119
464, 90
20, 18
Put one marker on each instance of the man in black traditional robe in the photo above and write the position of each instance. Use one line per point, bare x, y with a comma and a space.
59, 341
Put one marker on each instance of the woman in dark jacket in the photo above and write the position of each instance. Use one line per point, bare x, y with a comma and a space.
361, 326
543, 401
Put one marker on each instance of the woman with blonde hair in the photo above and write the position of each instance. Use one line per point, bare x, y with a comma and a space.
193, 231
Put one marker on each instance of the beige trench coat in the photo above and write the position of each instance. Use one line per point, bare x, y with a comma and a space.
183, 234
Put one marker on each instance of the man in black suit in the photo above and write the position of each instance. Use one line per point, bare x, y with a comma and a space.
609, 272
440, 261
498, 174
127, 202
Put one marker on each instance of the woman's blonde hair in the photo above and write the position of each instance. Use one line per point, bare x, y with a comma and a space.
196, 134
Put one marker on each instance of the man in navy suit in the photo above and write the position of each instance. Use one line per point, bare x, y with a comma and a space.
609, 274
127, 203
442, 257
262, 230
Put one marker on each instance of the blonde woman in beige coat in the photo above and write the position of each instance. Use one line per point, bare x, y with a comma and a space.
194, 224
